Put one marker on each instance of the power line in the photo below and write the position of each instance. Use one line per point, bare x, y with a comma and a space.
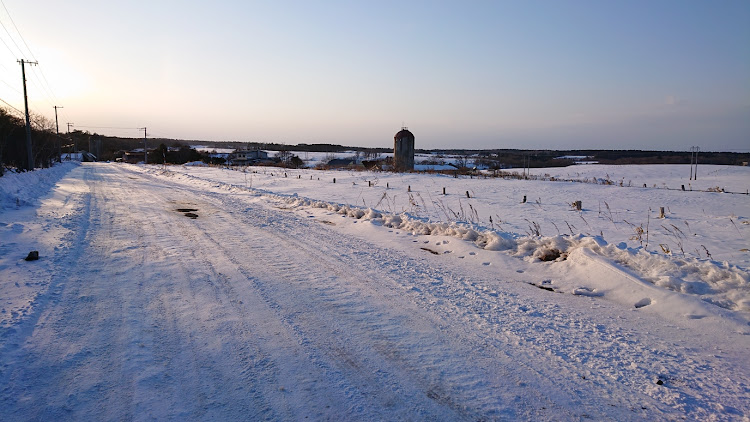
41, 72
11, 87
6, 44
8, 104
17, 31
48, 98
14, 41
109, 127
43, 82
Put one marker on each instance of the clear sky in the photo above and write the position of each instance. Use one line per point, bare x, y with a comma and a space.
655, 74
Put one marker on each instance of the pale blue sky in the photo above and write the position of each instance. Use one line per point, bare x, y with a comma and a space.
476, 74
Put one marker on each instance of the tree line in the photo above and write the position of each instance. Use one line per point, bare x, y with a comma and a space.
13, 153
48, 148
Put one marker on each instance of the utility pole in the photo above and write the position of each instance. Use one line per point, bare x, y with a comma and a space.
694, 162
697, 149
59, 142
74, 143
145, 150
29, 153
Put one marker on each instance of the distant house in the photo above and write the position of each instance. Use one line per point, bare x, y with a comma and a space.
135, 156
341, 162
247, 157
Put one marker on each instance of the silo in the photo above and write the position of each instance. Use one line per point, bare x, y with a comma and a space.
403, 150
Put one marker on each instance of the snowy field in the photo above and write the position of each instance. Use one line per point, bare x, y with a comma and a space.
196, 293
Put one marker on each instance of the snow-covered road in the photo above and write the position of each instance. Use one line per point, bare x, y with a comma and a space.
257, 311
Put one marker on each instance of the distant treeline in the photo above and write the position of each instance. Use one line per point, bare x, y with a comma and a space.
47, 148
13, 151
515, 158
552, 158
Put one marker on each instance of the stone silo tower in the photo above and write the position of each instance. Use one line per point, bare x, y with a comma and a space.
403, 150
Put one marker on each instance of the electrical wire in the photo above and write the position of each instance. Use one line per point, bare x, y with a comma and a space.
14, 42
109, 127
11, 87
41, 89
43, 84
17, 31
41, 72
9, 105
8, 47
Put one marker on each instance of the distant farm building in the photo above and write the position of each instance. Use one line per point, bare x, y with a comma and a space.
135, 156
341, 162
403, 150
247, 157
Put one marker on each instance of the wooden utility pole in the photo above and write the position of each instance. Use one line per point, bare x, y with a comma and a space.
74, 142
29, 152
694, 162
145, 150
59, 142
695, 175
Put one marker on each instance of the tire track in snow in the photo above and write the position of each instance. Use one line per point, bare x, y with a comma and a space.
436, 372
50, 378
203, 356
565, 338
113, 344
635, 404
252, 312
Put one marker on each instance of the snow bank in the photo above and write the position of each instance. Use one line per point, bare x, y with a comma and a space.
719, 283
26, 188
722, 284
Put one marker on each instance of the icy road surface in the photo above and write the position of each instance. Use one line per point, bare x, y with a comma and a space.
254, 311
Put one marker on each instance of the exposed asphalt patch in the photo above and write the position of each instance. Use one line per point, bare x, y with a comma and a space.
430, 251
542, 286
189, 212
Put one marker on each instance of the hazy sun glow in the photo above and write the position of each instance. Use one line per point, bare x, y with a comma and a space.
487, 74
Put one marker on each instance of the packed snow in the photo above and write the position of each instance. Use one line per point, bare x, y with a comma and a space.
194, 292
